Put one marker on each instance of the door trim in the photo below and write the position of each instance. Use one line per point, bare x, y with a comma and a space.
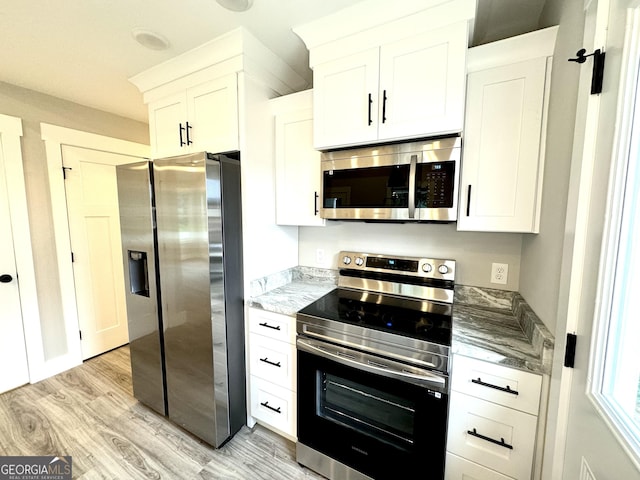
575, 251
11, 132
54, 137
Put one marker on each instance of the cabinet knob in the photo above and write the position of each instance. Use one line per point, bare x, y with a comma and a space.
6, 278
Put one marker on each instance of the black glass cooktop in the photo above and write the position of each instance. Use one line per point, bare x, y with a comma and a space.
421, 319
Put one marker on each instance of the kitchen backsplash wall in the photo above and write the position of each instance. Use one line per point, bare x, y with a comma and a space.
474, 252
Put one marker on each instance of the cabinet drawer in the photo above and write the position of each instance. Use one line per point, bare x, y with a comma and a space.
460, 469
491, 382
274, 325
272, 360
477, 428
273, 405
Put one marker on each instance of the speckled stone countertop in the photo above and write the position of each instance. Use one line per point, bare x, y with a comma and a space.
493, 325
291, 290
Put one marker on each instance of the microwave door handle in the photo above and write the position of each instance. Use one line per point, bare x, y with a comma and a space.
412, 185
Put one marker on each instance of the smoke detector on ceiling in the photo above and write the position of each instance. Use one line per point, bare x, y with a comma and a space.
149, 39
236, 5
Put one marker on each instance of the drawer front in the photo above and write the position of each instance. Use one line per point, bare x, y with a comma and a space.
477, 428
502, 385
273, 405
460, 469
272, 360
273, 325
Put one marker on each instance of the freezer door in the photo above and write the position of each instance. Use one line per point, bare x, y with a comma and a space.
145, 331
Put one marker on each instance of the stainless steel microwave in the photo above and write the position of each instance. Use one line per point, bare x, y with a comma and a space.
416, 181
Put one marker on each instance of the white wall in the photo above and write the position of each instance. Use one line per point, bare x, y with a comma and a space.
474, 252
33, 108
542, 253
268, 248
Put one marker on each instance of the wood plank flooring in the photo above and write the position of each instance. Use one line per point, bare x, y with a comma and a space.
89, 413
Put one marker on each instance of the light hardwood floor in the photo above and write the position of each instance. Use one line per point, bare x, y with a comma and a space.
89, 413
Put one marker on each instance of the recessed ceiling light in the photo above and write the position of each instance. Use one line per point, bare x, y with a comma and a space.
150, 39
236, 5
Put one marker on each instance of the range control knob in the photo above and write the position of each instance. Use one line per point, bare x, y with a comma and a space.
426, 267
346, 260
443, 269
359, 261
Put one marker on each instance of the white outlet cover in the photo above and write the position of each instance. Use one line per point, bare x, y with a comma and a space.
499, 273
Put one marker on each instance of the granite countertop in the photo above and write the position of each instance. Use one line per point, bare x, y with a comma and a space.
492, 325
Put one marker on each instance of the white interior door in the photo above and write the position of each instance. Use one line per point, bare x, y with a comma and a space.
13, 354
593, 451
94, 228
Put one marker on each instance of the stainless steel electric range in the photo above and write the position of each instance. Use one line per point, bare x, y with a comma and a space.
373, 369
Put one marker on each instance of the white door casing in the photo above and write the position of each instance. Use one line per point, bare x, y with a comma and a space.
55, 137
10, 132
94, 228
584, 445
13, 352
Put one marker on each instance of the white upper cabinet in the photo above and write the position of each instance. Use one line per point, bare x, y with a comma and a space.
504, 134
422, 80
397, 74
212, 109
193, 99
167, 118
201, 118
297, 163
345, 98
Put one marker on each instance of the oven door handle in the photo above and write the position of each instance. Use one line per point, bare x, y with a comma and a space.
426, 379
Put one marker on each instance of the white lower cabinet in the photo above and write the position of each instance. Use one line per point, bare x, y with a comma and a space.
273, 406
461, 469
272, 360
497, 437
272, 371
493, 421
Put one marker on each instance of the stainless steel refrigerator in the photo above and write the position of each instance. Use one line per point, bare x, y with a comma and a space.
182, 248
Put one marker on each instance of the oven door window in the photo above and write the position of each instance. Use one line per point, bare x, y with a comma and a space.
374, 187
384, 416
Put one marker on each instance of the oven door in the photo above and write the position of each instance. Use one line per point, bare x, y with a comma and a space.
374, 415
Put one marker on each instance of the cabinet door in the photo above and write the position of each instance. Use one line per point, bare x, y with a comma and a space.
422, 81
297, 170
273, 361
273, 405
345, 100
496, 437
213, 115
496, 383
272, 325
461, 469
503, 127
166, 117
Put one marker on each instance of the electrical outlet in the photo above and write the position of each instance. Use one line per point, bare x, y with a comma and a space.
320, 258
499, 273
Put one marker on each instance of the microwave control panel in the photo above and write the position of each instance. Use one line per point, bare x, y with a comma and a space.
435, 182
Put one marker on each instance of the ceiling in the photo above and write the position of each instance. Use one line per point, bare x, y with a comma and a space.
84, 51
